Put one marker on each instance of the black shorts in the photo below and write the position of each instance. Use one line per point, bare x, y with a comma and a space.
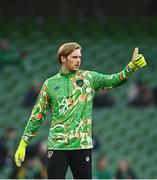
80, 162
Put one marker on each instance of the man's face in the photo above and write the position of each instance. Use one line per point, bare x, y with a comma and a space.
102, 164
73, 61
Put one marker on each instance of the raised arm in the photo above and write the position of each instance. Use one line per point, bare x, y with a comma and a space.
103, 81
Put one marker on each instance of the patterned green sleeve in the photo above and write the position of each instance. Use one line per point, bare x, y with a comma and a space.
103, 81
38, 113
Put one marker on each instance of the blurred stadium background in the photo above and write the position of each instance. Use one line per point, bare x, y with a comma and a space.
30, 34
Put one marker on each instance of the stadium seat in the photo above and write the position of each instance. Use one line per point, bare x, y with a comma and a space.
107, 48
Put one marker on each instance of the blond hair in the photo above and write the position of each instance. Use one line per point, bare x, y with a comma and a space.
66, 49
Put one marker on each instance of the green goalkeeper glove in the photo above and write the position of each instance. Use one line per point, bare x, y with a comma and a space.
20, 153
137, 60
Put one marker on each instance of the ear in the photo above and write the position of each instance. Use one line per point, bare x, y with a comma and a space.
63, 59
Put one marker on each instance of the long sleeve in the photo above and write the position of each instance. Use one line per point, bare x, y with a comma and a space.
39, 111
103, 81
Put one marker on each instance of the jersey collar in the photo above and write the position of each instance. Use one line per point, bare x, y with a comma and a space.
69, 73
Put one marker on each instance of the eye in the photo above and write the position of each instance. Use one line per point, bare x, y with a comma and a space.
75, 57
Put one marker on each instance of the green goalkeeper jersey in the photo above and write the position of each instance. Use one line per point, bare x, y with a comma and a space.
70, 98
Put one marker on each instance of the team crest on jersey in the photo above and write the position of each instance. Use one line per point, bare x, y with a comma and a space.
49, 154
79, 82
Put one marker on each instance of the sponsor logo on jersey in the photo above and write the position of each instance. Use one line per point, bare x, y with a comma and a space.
56, 88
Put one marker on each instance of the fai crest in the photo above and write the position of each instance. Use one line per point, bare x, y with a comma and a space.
79, 82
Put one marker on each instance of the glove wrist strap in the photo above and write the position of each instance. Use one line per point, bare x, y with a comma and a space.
23, 144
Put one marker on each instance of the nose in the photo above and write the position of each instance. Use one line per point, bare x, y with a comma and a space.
78, 59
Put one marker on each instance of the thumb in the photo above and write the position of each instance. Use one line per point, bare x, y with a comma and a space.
19, 155
17, 159
135, 54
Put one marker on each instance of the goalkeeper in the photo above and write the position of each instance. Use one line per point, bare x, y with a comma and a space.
70, 95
